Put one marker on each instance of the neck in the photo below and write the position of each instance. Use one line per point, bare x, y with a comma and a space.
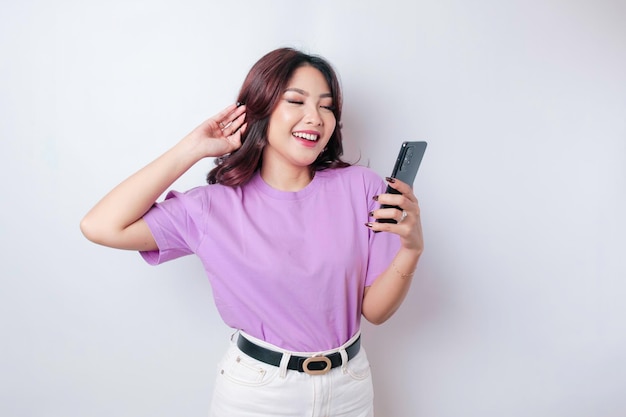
286, 179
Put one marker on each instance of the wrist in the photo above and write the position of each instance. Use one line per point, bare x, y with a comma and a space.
410, 253
402, 273
405, 262
192, 149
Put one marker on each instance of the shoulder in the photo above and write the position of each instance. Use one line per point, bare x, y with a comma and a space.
199, 198
354, 174
354, 180
368, 174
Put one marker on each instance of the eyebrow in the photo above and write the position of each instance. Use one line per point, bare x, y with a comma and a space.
304, 93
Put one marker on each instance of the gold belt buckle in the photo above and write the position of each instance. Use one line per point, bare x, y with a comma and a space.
316, 359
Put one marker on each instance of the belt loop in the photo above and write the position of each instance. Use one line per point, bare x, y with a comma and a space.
284, 361
344, 360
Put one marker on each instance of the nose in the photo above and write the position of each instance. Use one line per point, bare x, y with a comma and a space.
313, 116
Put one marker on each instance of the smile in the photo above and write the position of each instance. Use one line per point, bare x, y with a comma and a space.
307, 136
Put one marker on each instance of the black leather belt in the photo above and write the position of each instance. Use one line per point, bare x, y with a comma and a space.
314, 365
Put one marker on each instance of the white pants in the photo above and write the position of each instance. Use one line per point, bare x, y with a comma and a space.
246, 387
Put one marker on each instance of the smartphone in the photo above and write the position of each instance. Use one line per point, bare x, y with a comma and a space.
405, 169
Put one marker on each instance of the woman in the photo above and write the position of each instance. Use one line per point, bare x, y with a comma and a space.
286, 233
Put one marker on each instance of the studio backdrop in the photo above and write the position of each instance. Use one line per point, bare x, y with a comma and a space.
516, 308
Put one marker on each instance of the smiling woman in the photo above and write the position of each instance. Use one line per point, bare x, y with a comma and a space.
271, 83
284, 231
300, 128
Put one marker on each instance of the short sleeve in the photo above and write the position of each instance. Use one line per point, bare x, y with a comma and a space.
176, 225
383, 246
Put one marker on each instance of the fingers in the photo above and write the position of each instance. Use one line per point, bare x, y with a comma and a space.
402, 187
398, 213
396, 216
235, 138
242, 129
390, 213
404, 222
229, 128
230, 119
227, 112
396, 202
409, 230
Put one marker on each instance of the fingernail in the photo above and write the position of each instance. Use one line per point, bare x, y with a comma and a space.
371, 214
369, 224
375, 198
391, 180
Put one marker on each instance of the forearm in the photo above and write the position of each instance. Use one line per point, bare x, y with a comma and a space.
383, 298
132, 198
116, 220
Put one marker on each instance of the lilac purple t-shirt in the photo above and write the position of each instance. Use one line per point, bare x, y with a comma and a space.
285, 267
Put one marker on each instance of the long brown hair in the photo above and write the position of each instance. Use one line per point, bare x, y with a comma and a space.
261, 92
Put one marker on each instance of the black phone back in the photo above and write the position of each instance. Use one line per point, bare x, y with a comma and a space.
408, 162
405, 169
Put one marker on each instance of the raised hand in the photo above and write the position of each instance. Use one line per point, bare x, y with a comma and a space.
116, 220
220, 134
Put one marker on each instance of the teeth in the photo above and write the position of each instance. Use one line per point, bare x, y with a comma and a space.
307, 136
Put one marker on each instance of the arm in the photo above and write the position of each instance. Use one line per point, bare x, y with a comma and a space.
385, 295
117, 220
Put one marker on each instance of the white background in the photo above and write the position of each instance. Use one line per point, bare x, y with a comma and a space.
517, 308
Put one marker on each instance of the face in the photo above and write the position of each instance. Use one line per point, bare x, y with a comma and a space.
303, 121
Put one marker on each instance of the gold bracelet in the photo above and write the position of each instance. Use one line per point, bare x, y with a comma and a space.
403, 276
